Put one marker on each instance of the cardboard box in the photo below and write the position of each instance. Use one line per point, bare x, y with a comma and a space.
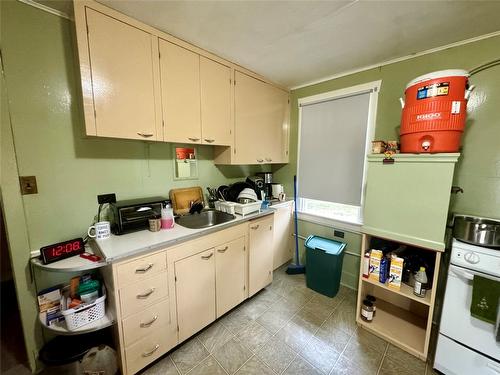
375, 258
395, 273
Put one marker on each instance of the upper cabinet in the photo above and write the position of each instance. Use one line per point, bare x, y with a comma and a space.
180, 92
261, 116
215, 81
122, 82
141, 83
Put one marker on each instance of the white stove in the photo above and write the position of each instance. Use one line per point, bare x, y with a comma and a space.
467, 345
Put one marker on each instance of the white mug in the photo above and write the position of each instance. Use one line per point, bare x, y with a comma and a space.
102, 230
281, 197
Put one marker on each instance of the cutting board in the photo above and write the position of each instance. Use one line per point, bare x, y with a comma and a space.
181, 198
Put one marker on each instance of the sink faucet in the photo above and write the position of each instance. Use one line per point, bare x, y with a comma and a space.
195, 206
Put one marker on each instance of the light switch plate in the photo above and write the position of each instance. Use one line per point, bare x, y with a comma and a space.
28, 185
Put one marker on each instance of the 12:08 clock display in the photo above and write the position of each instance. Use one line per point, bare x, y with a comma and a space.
62, 250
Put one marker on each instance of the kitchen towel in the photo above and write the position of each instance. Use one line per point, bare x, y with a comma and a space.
485, 295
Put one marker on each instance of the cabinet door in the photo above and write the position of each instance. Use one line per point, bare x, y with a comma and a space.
260, 112
215, 103
230, 275
180, 88
195, 292
121, 58
260, 253
282, 239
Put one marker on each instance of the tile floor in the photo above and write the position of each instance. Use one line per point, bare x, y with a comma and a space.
288, 329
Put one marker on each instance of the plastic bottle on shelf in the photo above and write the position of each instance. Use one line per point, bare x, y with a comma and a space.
420, 283
366, 265
167, 217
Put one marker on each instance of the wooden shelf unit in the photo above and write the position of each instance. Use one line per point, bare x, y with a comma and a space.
402, 318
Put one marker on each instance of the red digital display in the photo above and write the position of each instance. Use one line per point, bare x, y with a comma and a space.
61, 250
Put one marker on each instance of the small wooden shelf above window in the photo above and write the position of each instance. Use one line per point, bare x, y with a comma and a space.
398, 326
405, 291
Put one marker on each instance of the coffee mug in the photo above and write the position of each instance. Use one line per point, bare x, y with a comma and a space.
154, 225
102, 230
281, 197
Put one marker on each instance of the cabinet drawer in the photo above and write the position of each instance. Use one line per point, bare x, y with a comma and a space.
141, 269
148, 349
145, 322
137, 297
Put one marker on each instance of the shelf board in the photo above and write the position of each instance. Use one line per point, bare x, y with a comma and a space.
60, 327
405, 291
72, 264
398, 326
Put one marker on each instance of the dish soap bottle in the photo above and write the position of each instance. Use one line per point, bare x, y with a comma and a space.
420, 283
167, 217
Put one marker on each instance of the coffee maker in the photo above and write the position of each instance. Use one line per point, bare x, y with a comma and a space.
257, 184
268, 182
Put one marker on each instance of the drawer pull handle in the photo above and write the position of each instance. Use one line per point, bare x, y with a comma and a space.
255, 227
193, 139
209, 140
147, 294
147, 354
145, 325
145, 269
145, 135
269, 159
260, 160
223, 250
205, 257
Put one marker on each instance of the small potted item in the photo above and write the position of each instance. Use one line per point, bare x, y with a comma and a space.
378, 147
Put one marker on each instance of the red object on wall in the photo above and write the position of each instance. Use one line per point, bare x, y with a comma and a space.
434, 113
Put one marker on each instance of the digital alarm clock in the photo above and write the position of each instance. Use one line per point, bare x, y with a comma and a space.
62, 250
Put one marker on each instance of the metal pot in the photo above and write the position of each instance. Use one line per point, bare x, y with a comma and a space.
477, 230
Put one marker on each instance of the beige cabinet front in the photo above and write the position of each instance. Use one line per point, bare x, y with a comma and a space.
195, 292
180, 88
123, 81
282, 236
230, 275
260, 254
261, 128
215, 81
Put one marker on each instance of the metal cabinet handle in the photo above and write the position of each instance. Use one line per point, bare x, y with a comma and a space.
147, 294
147, 354
193, 139
223, 250
205, 257
255, 227
269, 159
209, 140
260, 160
145, 325
145, 135
145, 269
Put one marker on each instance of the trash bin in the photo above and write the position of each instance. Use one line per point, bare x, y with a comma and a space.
324, 264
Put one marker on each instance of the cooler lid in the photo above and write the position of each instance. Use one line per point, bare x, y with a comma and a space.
329, 246
439, 74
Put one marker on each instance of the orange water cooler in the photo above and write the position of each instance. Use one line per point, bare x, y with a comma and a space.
434, 112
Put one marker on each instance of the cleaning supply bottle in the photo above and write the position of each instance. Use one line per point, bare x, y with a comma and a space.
167, 217
420, 283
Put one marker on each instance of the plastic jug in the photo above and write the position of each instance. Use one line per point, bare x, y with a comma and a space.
167, 217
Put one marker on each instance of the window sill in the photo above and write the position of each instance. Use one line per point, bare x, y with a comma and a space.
347, 225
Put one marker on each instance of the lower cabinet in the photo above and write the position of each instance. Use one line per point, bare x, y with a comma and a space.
230, 275
260, 254
195, 292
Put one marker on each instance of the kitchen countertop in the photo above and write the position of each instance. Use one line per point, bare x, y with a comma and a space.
120, 247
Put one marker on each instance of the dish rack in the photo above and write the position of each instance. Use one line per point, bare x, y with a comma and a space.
238, 208
84, 314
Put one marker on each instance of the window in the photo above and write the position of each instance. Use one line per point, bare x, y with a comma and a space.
335, 133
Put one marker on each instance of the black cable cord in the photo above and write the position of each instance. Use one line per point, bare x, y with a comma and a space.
484, 66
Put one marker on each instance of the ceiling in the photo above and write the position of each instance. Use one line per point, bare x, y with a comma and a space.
296, 42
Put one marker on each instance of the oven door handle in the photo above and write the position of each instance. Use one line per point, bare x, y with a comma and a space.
461, 273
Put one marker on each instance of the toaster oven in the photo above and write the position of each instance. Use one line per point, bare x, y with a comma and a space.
133, 214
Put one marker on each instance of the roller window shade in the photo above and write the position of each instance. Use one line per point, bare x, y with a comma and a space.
332, 149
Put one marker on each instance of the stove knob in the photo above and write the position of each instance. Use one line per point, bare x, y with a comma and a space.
471, 257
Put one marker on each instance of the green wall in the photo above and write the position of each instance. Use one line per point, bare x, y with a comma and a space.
42, 89
478, 171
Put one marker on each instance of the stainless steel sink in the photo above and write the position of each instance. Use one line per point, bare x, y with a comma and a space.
204, 219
